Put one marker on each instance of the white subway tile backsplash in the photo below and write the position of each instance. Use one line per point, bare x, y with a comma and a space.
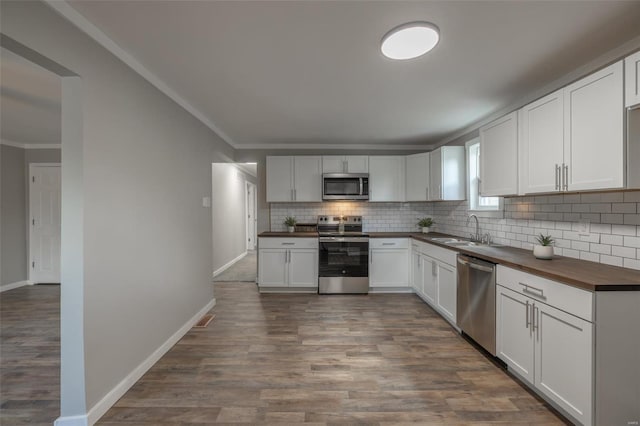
613, 238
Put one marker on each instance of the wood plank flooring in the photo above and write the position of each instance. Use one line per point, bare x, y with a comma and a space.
30, 355
290, 359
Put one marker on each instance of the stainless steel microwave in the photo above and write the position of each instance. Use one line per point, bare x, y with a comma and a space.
345, 186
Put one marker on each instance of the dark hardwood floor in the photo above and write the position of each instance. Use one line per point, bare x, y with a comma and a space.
30, 355
287, 359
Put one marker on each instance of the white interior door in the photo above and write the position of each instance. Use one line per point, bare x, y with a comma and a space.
251, 215
44, 235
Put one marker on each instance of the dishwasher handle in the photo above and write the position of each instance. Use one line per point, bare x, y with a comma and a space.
473, 265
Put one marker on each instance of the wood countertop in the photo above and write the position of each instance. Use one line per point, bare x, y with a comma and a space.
583, 274
270, 234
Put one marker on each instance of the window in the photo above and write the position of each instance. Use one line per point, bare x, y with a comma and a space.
477, 202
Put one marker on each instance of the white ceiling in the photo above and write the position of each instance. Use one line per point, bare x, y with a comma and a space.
30, 111
310, 72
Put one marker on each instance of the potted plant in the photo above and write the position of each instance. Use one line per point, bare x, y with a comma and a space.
290, 222
425, 223
544, 248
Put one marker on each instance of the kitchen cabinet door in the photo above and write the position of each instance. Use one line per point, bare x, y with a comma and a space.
333, 164
564, 360
499, 157
307, 178
357, 163
435, 175
417, 179
272, 268
594, 130
389, 268
279, 179
303, 268
542, 144
416, 271
386, 178
429, 279
632, 80
514, 332
446, 293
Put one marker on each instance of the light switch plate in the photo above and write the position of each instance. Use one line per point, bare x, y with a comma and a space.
206, 201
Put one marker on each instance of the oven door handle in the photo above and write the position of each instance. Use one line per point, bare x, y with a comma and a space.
343, 240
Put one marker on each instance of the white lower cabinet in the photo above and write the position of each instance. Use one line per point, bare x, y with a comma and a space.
288, 262
447, 296
389, 262
549, 348
434, 278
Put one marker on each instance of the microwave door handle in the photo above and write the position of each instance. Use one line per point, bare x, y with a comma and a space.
361, 186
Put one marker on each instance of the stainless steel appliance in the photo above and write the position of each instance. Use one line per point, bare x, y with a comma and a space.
343, 265
345, 186
476, 306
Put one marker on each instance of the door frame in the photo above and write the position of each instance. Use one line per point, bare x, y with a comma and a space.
250, 188
32, 166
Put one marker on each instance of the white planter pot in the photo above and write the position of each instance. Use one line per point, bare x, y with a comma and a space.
291, 228
543, 252
426, 230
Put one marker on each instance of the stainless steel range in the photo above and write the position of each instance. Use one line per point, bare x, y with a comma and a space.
344, 255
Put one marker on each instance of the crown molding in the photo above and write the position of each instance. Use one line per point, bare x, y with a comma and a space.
77, 19
584, 70
30, 145
316, 146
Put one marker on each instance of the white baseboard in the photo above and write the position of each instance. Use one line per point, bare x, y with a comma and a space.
228, 264
11, 286
121, 388
71, 421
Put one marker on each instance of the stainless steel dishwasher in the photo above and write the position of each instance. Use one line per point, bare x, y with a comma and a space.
476, 306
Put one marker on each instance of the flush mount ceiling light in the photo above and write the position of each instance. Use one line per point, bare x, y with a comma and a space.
410, 40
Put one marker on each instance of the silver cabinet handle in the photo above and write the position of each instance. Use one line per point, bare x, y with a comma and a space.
434, 269
557, 177
388, 244
533, 291
536, 321
291, 195
565, 176
526, 320
288, 244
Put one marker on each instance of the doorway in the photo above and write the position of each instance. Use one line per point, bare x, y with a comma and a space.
44, 225
251, 215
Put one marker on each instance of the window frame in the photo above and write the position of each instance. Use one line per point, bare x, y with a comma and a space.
472, 187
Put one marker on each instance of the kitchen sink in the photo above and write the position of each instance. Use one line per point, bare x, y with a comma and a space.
447, 240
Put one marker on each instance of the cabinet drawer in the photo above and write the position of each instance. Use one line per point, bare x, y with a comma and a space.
287, 243
564, 297
439, 253
389, 243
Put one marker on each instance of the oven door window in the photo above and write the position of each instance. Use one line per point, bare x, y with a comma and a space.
342, 186
344, 259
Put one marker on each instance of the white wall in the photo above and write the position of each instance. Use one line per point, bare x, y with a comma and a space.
146, 164
228, 213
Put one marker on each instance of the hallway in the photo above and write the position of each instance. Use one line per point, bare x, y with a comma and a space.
244, 270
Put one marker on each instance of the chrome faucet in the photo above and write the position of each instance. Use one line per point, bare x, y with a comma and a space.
475, 237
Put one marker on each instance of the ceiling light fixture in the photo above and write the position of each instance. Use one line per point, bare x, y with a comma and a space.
410, 40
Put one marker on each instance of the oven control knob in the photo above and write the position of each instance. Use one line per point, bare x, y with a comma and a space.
344, 272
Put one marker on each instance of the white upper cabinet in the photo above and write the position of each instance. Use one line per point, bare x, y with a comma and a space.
294, 178
386, 178
632, 80
307, 178
345, 164
573, 139
447, 174
279, 179
541, 144
417, 182
594, 131
499, 157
